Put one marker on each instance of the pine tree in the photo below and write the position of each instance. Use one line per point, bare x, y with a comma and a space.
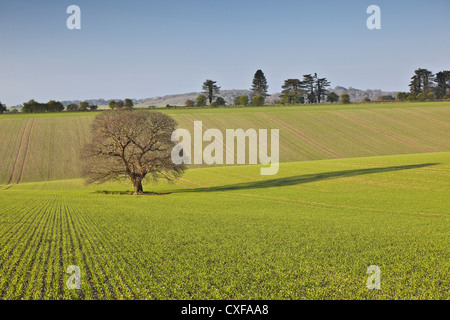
443, 83
293, 91
421, 82
309, 84
210, 89
259, 85
321, 88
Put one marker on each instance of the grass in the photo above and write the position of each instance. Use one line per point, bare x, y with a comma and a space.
308, 132
359, 185
308, 233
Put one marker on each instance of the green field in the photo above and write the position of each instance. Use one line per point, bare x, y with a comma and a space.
310, 132
358, 185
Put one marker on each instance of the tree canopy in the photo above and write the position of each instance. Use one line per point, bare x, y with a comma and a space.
345, 98
2, 108
210, 89
33, 106
241, 100
132, 145
128, 103
293, 91
259, 85
201, 100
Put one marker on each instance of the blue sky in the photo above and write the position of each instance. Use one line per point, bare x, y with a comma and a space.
140, 49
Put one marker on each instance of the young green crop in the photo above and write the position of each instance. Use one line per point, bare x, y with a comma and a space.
310, 232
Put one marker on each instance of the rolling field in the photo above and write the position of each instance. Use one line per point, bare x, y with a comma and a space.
358, 185
51, 142
228, 233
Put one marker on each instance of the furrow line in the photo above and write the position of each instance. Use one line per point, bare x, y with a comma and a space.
34, 240
385, 133
26, 152
23, 228
91, 257
303, 136
191, 118
34, 264
445, 124
18, 152
107, 235
115, 266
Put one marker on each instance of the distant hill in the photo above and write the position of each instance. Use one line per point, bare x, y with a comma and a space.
180, 99
359, 95
229, 96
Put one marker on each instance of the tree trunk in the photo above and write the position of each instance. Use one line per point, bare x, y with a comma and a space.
138, 186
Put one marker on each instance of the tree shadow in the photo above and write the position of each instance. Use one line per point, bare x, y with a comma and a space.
307, 178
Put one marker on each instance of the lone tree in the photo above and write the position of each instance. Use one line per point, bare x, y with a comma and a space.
259, 85
131, 145
210, 89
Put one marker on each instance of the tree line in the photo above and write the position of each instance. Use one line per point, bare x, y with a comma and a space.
210, 94
33, 106
311, 89
425, 85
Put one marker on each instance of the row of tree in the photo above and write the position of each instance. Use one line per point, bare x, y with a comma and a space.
311, 89
127, 103
425, 85
33, 106
211, 91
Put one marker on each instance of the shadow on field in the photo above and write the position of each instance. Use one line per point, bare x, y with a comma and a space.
295, 180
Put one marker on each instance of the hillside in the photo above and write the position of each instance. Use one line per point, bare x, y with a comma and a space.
46, 146
229, 96
228, 233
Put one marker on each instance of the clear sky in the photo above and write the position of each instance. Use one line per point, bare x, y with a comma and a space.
140, 49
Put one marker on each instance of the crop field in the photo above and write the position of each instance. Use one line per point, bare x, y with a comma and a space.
228, 233
306, 133
358, 185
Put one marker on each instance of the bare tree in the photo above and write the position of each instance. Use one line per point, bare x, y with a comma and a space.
131, 145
